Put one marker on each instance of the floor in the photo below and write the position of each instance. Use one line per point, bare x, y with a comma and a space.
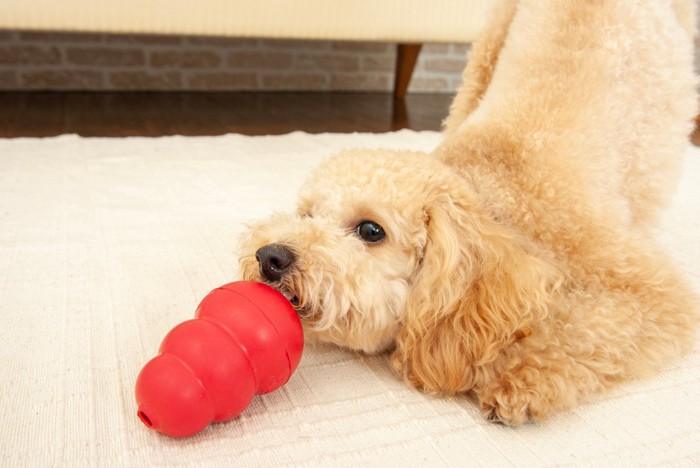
38, 114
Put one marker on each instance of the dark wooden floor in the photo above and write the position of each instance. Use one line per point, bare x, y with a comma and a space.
154, 114
39, 114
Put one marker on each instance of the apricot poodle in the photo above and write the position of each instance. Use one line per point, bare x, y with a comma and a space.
517, 262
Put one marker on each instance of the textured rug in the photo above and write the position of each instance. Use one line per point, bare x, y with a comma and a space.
106, 244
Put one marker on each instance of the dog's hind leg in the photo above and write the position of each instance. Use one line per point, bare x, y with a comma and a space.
482, 61
627, 323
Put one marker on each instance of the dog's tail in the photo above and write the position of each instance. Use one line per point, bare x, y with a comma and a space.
482, 61
685, 12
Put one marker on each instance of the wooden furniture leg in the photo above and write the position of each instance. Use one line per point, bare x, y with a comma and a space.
406, 56
695, 136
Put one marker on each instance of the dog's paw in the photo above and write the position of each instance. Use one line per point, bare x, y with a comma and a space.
504, 402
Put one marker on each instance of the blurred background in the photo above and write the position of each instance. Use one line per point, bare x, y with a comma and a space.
104, 62
201, 72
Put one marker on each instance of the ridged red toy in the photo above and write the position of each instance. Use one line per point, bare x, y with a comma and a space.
246, 339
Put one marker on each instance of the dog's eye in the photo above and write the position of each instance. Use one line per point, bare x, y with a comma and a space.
370, 232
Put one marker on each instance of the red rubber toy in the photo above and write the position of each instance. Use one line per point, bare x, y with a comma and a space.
246, 339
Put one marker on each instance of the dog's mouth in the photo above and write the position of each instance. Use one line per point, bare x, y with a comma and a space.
290, 295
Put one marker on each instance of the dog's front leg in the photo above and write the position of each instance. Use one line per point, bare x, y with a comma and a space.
539, 385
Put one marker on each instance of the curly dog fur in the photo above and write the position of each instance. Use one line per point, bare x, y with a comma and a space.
518, 261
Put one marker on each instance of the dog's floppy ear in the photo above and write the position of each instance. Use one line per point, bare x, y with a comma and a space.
478, 288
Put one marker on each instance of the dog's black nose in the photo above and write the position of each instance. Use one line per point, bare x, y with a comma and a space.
274, 260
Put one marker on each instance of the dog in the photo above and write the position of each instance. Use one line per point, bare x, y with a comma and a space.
517, 262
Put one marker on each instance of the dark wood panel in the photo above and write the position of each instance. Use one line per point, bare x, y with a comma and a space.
155, 114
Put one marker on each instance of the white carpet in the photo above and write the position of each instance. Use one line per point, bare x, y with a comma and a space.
106, 244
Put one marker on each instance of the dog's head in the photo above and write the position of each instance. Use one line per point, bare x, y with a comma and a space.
346, 258
391, 249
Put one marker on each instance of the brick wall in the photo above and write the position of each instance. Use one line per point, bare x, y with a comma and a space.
61, 61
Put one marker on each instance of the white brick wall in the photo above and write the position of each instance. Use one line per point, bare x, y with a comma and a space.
60, 61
